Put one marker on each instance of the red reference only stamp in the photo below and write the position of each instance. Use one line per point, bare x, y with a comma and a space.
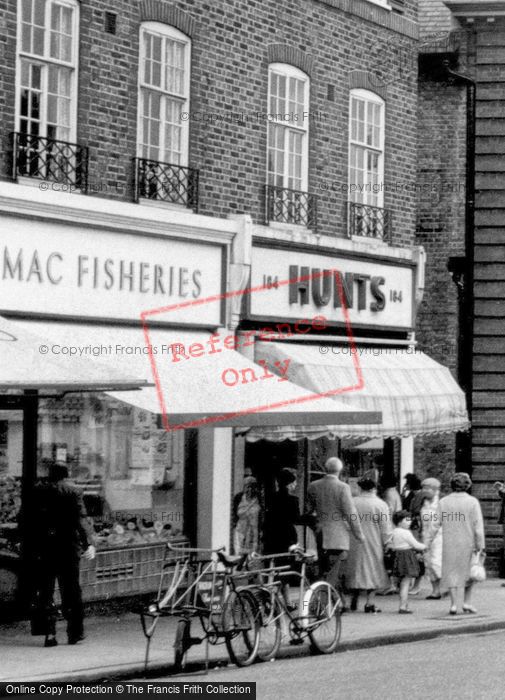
186, 359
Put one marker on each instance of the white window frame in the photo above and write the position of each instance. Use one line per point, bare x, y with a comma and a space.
301, 127
369, 97
165, 31
45, 61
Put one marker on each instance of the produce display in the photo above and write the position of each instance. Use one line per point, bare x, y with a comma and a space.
132, 532
10, 502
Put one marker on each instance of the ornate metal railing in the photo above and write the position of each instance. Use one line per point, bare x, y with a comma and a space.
49, 159
368, 221
290, 206
166, 182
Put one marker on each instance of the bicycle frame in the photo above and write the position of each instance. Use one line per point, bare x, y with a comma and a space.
300, 623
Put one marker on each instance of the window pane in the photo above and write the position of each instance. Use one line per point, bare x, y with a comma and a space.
38, 41
39, 12
61, 33
174, 67
36, 76
26, 38
26, 10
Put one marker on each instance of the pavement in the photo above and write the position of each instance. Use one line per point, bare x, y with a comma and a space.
114, 646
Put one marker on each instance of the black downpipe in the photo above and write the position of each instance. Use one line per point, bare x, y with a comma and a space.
464, 275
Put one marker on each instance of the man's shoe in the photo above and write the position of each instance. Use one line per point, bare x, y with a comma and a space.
50, 641
75, 639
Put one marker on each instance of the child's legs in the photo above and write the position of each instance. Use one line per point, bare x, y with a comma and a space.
405, 584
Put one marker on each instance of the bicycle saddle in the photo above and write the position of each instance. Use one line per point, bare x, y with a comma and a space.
232, 561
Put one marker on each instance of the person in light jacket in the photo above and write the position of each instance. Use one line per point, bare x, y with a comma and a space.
365, 570
460, 519
330, 504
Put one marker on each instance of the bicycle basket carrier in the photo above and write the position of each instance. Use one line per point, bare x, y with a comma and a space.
190, 584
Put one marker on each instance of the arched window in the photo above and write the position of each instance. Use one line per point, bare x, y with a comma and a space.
366, 148
47, 68
288, 147
288, 127
367, 217
164, 83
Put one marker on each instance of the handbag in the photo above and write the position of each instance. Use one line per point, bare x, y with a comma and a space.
477, 570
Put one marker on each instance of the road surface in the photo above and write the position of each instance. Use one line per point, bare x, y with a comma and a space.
461, 667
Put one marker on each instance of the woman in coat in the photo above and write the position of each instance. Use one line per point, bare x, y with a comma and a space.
460, 519
365, 569
246, 518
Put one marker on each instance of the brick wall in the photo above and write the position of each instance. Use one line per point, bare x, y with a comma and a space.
440, 230
434, 17
230, 42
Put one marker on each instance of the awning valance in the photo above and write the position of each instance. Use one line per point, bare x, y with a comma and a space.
27, 363
415, 394
220, 387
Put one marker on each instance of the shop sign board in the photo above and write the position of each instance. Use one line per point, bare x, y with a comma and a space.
59, 270
377, 292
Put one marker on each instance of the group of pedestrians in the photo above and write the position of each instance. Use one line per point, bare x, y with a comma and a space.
441, 537
369, 545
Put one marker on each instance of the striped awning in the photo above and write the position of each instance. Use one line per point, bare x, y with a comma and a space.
415, 394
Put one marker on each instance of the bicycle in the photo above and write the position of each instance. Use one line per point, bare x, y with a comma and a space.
200, 583
317, 614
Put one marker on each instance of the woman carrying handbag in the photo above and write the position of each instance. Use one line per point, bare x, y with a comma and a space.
459, 517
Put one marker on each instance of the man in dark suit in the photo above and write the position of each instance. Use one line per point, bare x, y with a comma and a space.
61, 534
330, 503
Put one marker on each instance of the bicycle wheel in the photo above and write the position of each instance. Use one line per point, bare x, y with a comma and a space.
181, 646
324, 621
241, 623
270, 631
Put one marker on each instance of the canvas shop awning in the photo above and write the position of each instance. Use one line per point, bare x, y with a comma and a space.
26, 363
193, 389
415, 394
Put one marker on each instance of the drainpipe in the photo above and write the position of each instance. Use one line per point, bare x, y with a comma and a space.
462, 269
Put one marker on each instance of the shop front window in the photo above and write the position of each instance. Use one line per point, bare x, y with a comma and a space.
130, 470
11, 463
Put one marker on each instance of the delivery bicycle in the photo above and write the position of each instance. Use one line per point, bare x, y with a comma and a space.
201, 584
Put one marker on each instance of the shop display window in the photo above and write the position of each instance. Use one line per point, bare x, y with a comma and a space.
130, 470
11, 457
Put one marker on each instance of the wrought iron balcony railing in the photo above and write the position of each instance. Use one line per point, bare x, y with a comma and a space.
291, 206
166, 182
368, 221
49, 159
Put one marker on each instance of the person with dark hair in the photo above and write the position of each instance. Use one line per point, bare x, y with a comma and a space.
61, 534
411, 488
365, 570
459, 517
281, 531
406, 567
